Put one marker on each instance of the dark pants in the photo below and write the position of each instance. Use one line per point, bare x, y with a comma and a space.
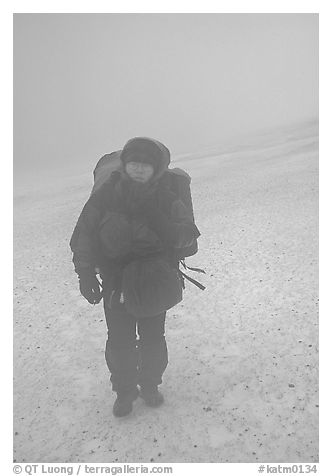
132, 360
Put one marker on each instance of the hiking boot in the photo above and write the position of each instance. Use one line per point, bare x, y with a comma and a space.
152, 397
123, 404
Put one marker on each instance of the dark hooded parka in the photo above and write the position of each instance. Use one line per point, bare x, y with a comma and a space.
125, 219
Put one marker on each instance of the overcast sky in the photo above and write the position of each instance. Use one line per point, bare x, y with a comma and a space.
86, 83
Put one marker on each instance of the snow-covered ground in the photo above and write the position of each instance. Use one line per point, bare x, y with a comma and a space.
242, 381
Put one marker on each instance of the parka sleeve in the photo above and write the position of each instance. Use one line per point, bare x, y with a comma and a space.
176, 228
84, 241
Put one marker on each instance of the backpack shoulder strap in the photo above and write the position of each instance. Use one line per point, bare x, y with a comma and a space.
185, 276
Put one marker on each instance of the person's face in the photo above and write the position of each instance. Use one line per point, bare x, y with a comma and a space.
139, 171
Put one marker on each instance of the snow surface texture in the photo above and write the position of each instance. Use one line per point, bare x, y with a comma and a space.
242, 381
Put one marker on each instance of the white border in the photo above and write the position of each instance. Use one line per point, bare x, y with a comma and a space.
7, 8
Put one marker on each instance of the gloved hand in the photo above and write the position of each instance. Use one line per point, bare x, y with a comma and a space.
90, 287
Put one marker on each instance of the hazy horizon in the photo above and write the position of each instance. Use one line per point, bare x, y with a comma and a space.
85, 83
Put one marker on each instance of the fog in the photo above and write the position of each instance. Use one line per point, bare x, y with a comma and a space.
85, 83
